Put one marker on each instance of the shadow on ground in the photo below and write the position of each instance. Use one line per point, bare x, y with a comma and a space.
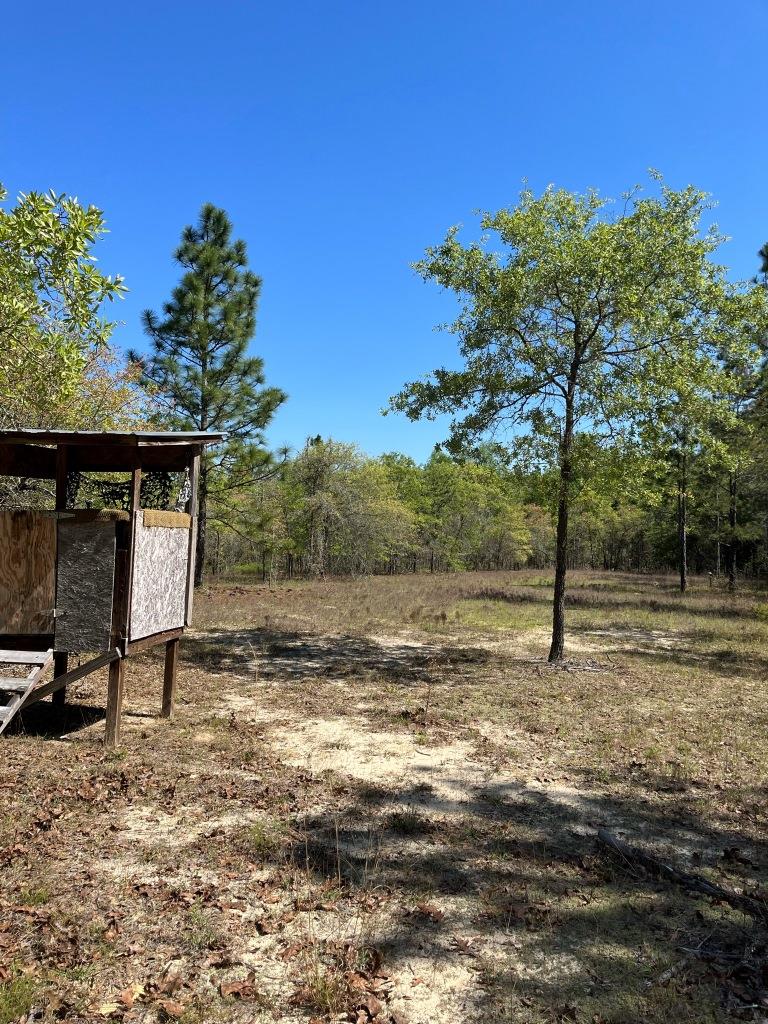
705, 605
51, 721
507, 881
556, 927
297, 655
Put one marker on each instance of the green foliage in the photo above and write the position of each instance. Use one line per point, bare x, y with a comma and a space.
335, 510
472, 515
581, 326
53, 340
614, 313
17, 996
322, 514
341, 511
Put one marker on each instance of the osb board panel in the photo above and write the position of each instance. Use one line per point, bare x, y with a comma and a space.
27, 571
86, 578
159, 579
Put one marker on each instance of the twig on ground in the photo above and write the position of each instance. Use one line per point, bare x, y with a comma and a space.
670, 973
694, 883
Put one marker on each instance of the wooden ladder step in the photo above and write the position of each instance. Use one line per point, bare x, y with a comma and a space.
24, 657
21, 689
17, 685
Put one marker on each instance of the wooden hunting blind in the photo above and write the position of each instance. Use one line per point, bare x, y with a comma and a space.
108, 572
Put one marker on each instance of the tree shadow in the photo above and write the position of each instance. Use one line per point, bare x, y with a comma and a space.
685, 650
508, 877
684, 604
299, 655
511, 880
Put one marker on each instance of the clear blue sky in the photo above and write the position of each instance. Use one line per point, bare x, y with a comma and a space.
344, 137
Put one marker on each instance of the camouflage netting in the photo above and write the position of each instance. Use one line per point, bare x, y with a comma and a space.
160, 489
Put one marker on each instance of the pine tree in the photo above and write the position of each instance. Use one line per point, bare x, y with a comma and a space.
763, 254
199, 369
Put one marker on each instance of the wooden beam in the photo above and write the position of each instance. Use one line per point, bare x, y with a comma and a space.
135, 507
120, 596
145, 642
169, 677
135, 490
120, 601
130, 439
26, 641
29, 460
62, 467
22, 657
194, 478
115, 692
62, 458
72, 676
172, 458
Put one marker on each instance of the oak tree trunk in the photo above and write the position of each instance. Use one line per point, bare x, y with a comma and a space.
561, 546
682, 520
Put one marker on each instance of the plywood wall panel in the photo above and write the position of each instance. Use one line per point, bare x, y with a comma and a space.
86, 575
27, 571
158, 595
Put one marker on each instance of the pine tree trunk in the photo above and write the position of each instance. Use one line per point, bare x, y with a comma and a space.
561, 545
732, 489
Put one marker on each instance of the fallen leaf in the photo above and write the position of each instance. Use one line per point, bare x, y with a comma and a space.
109, 1009
129, 996
243, 989
171, 1007
464, 946
431, 911
371, 1005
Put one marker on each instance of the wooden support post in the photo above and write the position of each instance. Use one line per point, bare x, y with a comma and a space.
115, 702
135, 505
169, 679
123, 534
60, 659
194, 480
62, 458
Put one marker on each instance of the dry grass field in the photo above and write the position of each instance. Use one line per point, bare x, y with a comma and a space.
377, 802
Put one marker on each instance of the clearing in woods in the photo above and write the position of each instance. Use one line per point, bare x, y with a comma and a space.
377, 802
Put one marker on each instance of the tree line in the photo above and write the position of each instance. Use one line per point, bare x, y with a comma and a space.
609, 410
331, 510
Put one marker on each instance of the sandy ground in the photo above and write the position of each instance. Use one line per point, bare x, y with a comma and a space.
438, 783
423, 839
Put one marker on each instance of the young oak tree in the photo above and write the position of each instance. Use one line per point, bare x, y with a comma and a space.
574, 327
199, 370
